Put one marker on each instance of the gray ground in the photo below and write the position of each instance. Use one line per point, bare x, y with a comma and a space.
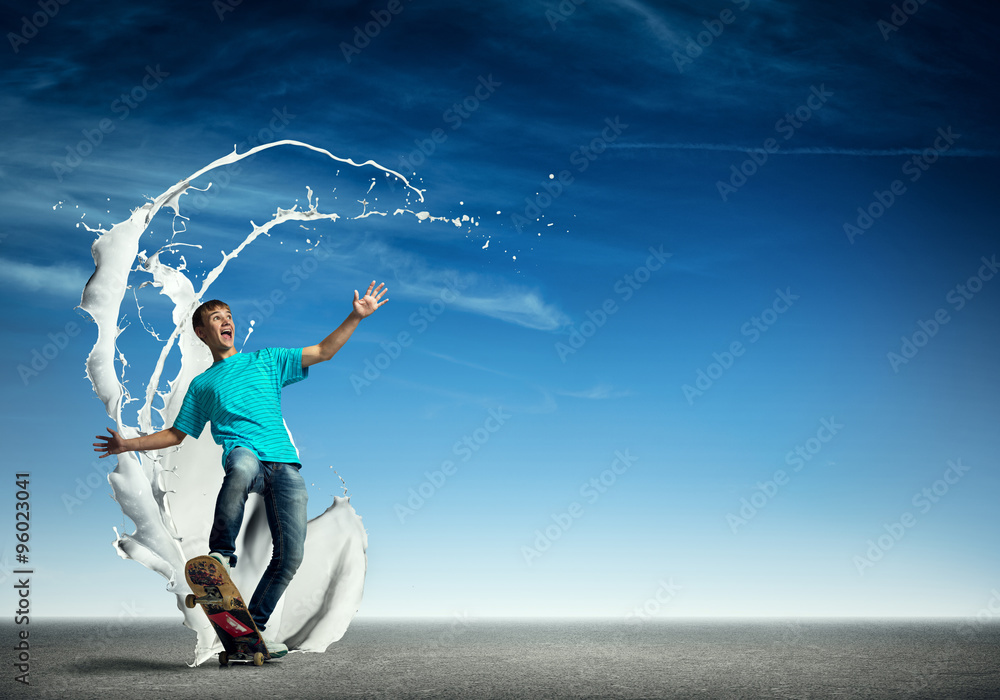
144, 658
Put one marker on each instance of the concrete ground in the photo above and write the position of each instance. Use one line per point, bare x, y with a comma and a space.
147, 658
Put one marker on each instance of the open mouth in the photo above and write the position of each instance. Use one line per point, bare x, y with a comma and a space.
227, 333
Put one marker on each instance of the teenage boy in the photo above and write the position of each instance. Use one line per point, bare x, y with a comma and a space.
240, 395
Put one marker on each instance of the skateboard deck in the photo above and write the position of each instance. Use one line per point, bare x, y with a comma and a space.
224, 606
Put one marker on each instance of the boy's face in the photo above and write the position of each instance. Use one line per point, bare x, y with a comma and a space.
218, 330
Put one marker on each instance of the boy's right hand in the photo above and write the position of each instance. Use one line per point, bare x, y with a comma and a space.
113, 445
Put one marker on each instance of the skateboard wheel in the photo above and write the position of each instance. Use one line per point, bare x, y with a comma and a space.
227, 602
258, 659
189, 600
223, 658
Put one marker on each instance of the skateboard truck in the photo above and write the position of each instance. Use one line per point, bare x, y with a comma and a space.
212, 595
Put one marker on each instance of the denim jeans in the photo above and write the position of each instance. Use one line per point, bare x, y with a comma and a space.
284, 492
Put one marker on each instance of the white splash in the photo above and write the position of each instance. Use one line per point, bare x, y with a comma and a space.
249, 331
427, 216
170, 495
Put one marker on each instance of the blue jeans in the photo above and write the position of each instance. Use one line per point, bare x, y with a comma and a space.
284, 492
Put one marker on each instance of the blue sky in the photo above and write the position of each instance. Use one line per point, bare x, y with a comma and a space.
738, 140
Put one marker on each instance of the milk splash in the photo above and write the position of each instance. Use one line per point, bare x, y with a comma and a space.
170, 495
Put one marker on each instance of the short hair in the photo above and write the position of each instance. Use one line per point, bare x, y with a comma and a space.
197, 320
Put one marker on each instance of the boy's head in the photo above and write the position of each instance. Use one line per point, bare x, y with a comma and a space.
202, 313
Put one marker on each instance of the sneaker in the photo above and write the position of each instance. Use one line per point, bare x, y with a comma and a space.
274, 648
222, 559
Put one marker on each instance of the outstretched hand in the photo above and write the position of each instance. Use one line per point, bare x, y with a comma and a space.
112, 445
366, 305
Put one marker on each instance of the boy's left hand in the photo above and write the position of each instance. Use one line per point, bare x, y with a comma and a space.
366, 305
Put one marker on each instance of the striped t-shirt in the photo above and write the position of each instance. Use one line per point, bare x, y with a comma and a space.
241, 396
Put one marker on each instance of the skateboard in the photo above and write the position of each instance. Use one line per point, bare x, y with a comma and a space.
222, 603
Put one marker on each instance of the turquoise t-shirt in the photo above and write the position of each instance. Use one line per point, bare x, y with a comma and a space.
241, 397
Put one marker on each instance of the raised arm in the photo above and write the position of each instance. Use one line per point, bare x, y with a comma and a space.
363, 307
115, 444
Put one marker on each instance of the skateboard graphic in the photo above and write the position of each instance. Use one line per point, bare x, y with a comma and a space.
222, 603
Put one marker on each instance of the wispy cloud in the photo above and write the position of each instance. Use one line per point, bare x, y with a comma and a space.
466, 363
808, 150
504, 301
60, 280
545, 404
598, 392
657, 23
519, 306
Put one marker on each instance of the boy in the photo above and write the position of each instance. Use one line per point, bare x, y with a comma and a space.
240, 394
